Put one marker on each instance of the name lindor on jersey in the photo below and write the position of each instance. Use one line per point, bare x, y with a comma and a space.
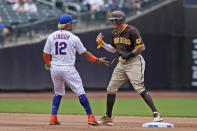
61, 36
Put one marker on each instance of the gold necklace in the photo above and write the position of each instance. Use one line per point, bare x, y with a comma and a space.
123, 28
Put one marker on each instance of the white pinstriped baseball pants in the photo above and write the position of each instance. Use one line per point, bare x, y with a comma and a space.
68, 74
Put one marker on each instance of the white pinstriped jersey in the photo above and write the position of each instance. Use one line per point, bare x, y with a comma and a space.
62, 45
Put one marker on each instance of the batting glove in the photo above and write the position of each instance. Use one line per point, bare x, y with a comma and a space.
47, 67
99, 40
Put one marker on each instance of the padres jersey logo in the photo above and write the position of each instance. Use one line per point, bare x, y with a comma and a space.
122, 40
139, 41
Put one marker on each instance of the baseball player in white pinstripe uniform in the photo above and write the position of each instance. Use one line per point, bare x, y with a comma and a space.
59, 55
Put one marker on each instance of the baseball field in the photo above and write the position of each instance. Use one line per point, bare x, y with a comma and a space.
31, 111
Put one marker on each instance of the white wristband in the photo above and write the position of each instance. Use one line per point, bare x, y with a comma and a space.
109, 48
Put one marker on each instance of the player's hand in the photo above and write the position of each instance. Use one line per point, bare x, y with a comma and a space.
124, 58
99, 40
47, 67
102, 61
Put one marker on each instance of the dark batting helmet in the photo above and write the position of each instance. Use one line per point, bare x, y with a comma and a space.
118, 16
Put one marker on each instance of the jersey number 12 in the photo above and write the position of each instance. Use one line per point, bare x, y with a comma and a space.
59, 48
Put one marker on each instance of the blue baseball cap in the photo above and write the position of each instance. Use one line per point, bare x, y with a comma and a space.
66, 19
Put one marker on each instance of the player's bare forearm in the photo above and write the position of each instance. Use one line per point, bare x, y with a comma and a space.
87, 54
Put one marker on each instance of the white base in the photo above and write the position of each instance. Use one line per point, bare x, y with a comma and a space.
158, 124
108, 124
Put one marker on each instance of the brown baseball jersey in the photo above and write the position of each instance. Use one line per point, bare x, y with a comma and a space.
126, 40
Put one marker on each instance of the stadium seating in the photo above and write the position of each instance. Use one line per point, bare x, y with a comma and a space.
12, 18
48, 14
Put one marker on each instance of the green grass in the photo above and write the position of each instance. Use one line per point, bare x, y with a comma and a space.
134, 107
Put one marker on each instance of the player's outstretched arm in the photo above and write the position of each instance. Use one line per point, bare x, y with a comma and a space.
89, 56
109, 48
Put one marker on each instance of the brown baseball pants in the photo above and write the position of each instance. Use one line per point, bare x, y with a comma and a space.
133, 70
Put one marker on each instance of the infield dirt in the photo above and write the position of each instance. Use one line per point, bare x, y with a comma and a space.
40, 122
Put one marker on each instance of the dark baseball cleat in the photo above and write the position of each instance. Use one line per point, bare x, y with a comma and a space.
157, 117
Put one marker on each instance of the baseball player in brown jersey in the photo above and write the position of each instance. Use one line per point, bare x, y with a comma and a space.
127, 41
